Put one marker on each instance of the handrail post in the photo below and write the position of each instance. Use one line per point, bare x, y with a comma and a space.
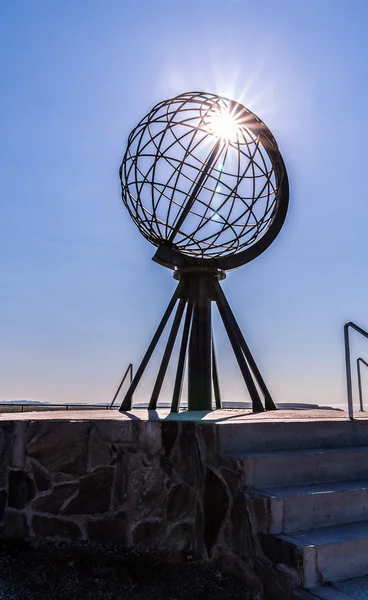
348, 371
360, 385
359, 361
348, 367
131, 376
130, 371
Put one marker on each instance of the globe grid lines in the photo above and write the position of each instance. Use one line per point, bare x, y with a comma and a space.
217, 225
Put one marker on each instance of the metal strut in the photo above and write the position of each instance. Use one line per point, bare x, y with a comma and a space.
269, 403
127, 402
196, 290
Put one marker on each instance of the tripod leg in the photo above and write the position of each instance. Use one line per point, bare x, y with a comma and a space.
181, 361
228, 321
269, 403
216, 386
167, 354
127, 402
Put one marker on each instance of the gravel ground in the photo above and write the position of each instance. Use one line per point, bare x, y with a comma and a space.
81, 572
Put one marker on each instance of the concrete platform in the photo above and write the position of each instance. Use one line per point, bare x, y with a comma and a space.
259, 432
305, 486
215, 416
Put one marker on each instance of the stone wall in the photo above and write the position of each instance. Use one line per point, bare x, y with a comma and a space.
155, 485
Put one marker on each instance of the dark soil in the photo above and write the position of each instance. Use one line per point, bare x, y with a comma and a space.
83, 572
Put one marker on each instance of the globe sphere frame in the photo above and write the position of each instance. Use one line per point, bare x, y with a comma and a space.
146, 152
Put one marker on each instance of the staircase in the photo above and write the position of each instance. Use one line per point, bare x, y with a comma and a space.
307, 490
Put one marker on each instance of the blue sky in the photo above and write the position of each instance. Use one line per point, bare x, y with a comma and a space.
80, 296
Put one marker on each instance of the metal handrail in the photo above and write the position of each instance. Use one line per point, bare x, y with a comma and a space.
360, 360
129, 370
349, 385
30, 407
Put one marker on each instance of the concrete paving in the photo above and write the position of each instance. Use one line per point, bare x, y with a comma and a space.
217, 416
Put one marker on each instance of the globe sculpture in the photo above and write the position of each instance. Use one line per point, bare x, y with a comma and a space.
204, 181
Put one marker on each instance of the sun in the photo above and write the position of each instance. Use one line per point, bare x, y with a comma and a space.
222, 124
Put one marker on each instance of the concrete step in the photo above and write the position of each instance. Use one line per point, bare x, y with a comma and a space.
323, 592
323, 555
268, 436
297, 467
343, 590
287, 509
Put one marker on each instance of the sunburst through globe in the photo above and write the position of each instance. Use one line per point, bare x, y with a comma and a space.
202, 174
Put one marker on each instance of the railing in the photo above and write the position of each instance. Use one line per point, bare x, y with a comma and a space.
360, 360
349, 384
40, 406
129, 370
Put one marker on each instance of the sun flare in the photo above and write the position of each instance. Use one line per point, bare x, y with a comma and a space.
224, 125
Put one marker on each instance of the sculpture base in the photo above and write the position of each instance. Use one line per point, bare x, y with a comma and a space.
197, 289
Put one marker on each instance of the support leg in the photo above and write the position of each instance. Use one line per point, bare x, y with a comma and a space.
167, 354
216, 385
228, 321
127, 402
269, 403
181, 361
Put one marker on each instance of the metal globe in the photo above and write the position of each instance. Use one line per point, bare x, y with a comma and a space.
203, 175
203, 179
